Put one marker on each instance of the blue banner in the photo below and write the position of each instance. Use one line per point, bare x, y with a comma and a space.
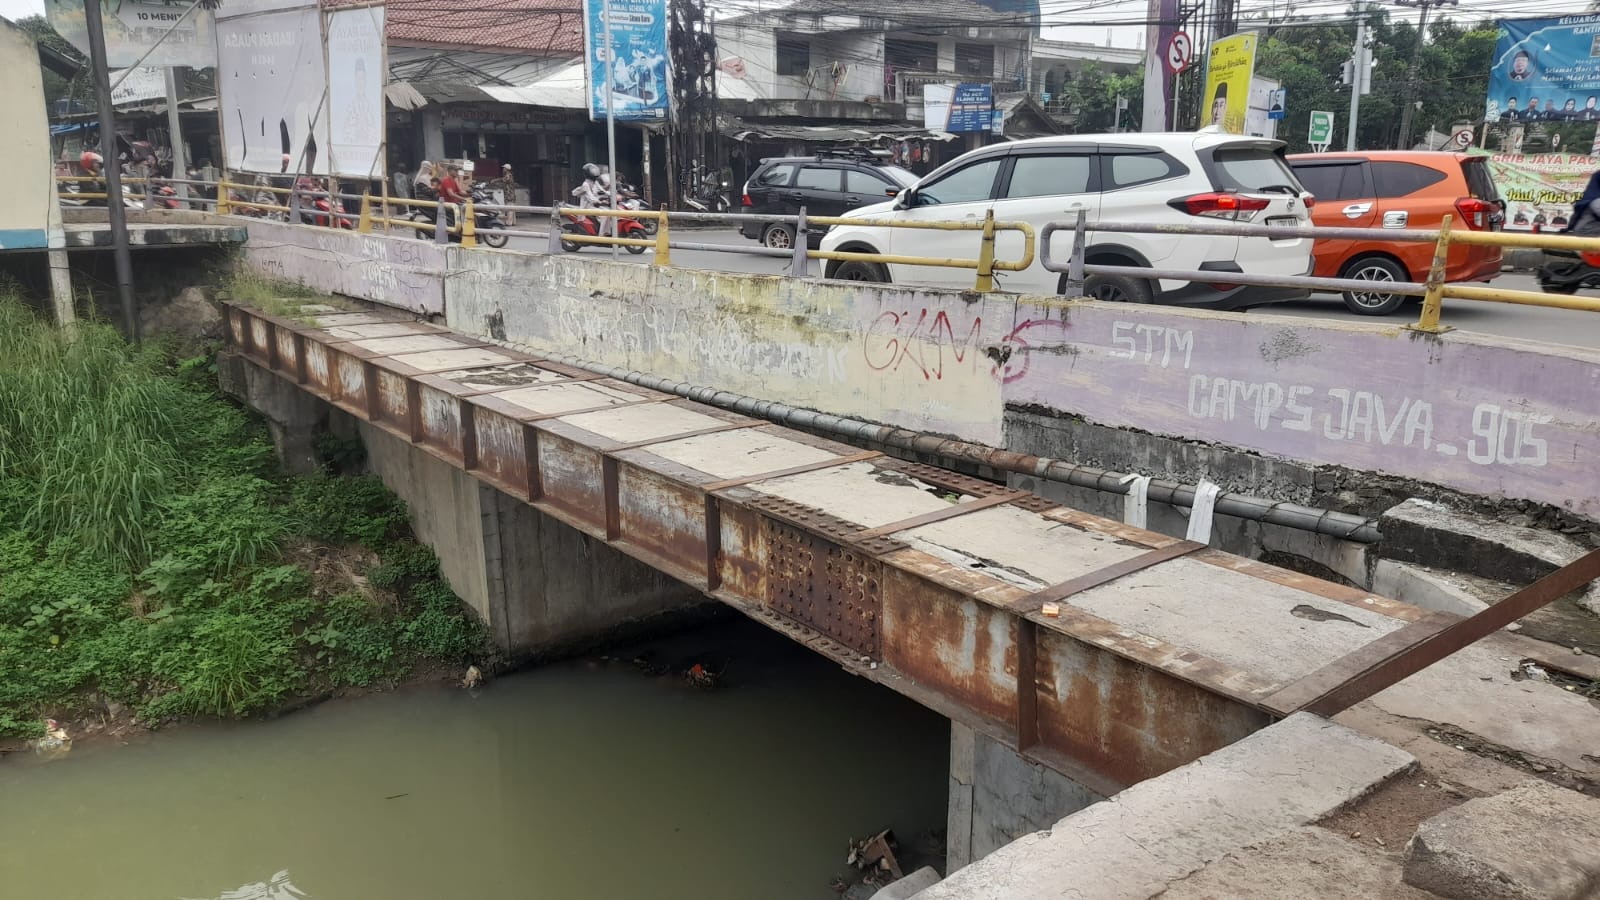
971, 108
641, 89
1546, 70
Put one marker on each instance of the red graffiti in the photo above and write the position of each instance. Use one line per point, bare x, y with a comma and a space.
922, 341
1011, 356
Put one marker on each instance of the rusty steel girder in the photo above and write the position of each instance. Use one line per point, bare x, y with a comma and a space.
1103, 651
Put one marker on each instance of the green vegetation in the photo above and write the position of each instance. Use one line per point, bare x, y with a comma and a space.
151, 556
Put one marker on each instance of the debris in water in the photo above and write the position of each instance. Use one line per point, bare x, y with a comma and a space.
702, 677
279, 888
875, 853
55, 740
473, 678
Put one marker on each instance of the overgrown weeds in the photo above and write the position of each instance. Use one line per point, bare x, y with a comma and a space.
146, 547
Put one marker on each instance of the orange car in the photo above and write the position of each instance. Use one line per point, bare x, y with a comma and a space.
1399, 189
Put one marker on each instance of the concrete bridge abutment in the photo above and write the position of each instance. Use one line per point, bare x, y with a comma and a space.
542, 587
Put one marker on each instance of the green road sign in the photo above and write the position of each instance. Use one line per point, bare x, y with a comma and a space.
1321, 127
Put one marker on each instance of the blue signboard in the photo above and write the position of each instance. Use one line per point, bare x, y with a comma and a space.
641, 90
1546, 70
971, 108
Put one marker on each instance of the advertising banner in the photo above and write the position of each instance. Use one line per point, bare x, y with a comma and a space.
134, 27
143, 83
641, 87
1539, 189
971, 109
273, 92
1229, 66
355, 91
1546, 70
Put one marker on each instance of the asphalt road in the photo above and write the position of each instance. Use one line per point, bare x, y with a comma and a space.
1558, 326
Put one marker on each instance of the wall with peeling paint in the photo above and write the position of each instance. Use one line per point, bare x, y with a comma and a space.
917, 359
1477, 414
407, 274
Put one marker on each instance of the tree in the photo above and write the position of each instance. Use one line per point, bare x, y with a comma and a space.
1091, 94
1452, 75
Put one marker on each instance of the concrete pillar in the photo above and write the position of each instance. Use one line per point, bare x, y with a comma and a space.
61, 304
541, 586
996, 796
432, 135
295, 418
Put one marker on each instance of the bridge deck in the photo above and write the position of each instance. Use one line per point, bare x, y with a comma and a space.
927, 581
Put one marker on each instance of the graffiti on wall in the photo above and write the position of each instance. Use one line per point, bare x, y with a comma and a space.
407, 274
1456, 410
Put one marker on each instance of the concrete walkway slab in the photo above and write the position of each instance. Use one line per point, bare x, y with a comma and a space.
740, 454
1305, 863
1159, 831
1533, 842
1020, 546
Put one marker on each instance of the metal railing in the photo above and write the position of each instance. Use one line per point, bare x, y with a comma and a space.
1433, 291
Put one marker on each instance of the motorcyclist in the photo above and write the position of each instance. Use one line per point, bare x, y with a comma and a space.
94, 167
1585, 220
588, 193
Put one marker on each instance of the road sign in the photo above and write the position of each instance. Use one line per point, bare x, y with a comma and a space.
1461, 138
1321, 127
1276, 103
1180, 52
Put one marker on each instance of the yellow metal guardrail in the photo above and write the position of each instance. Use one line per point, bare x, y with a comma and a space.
663, 256
986, 264
1438, 289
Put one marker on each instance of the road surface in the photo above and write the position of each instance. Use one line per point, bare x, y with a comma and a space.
1558, 326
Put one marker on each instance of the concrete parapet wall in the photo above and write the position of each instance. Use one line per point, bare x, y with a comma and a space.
1481, 415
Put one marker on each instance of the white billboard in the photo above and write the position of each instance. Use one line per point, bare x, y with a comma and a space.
273, 91
356, 77
141, 32
143, 83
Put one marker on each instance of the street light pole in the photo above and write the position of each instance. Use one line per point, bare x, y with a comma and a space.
1408, 105
115, 214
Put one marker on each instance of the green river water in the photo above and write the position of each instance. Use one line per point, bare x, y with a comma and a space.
579, 780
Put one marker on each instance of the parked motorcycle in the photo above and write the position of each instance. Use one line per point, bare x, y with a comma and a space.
587, 225
705, 193
163, 196
1567, 271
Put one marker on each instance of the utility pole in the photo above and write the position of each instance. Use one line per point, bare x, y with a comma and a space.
1408, 106
1360, 79
115, 214
175, 133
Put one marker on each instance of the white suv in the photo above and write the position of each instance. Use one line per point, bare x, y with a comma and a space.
1145, 178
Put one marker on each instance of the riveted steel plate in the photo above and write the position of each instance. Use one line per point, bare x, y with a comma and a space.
834, 590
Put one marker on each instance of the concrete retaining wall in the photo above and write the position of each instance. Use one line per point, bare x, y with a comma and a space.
1481, 415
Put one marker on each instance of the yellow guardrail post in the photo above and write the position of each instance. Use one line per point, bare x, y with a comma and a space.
663, 252
364, 223
223, 207
986, 255
469, 226
1431, 301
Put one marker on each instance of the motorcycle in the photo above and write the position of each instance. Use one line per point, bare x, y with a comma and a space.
163, 196
318, 208
1566, 271
489, 222
629, 200
586, 225
706, 194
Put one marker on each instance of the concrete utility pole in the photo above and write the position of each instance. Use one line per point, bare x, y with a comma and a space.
1408, 107
115, 214
1360, 79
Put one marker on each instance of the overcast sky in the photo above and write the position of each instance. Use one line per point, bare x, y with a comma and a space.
21, 9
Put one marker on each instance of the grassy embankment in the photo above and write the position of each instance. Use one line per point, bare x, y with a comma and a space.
152, 557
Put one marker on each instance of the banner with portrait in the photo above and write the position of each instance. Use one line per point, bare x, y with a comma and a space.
1546, 70
1229, 67
355, 91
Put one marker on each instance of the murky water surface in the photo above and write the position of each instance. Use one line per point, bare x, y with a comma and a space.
582, 780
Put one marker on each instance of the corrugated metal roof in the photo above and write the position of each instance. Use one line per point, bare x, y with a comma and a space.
539, 27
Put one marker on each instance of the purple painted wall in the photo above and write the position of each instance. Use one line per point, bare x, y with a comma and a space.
1483, 415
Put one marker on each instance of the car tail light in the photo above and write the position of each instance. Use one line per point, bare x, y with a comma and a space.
1221, 206
746, 201
1309, 200
1592, 259
1475, 213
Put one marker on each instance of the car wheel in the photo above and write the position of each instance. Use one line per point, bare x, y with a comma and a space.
1118, 289
1376, 302
855, 270
778, 237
